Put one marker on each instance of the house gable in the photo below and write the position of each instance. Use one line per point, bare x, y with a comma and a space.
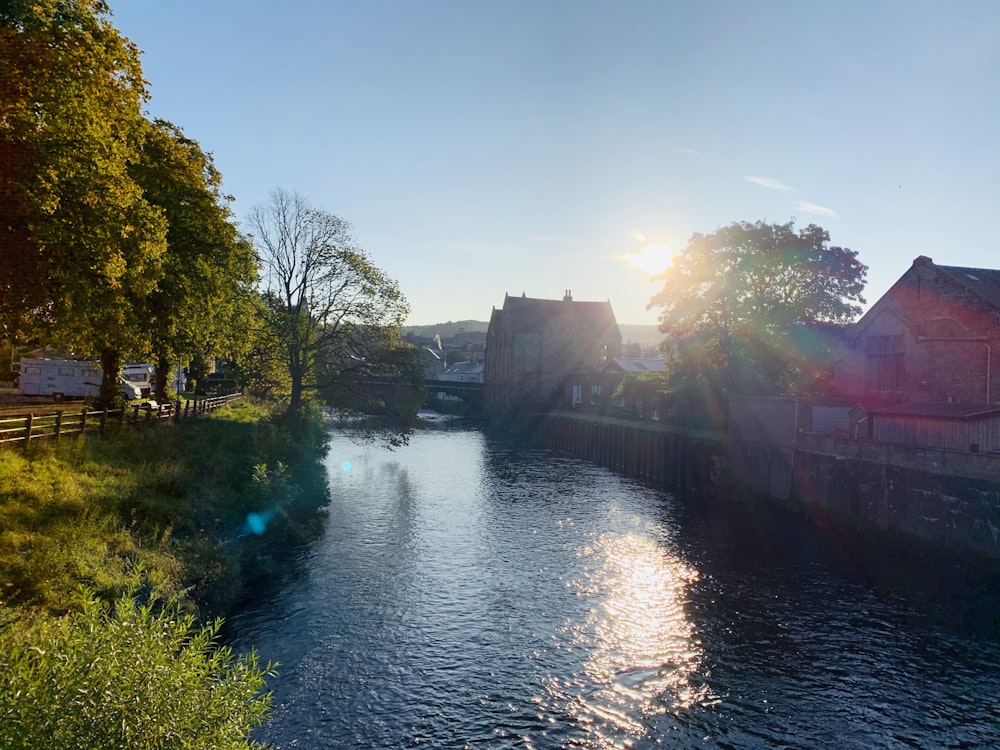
929, 338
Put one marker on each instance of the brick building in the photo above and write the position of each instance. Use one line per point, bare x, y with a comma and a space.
932, 338
533, 344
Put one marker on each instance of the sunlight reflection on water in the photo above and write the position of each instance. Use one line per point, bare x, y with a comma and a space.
642, 650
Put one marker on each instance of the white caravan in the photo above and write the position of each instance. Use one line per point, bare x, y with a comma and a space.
140, 375
66, 378
144, 376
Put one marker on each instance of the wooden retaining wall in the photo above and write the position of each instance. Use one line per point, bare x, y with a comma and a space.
668, 459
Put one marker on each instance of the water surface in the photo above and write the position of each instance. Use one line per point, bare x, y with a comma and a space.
474, 592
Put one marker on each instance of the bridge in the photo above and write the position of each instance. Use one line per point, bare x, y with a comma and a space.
471, 393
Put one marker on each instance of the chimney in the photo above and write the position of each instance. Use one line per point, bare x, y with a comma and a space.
568, 296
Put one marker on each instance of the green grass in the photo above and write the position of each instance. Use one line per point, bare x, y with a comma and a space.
163, 506
109, 551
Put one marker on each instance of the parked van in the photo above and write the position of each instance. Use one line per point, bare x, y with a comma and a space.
67, 378
141, 375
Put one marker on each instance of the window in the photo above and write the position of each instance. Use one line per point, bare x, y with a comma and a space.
577, 394
885, 363
595, 394
66, 371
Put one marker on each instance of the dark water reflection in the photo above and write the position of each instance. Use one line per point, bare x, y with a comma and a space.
473, 592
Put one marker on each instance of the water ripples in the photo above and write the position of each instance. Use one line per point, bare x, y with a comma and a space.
469, 593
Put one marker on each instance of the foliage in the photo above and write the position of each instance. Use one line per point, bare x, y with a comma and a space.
263, 368
126, 675
201, 302
82, 248
735, 304
388, 389
324, 300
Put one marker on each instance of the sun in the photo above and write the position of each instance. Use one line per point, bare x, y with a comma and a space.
654, 258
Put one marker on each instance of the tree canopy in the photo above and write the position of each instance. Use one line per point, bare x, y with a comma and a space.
82, 247
734, 304
201, 300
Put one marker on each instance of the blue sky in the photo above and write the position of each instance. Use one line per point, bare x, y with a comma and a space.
480, 148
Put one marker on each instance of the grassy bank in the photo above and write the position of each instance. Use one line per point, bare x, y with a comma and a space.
166, 509
114, 555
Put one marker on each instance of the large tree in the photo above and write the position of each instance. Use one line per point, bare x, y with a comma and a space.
328, 304
81, 247
200, 303
735, 302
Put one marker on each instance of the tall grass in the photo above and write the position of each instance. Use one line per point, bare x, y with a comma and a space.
97, 534
169, 503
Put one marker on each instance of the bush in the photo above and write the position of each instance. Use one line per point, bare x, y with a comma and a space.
126, 675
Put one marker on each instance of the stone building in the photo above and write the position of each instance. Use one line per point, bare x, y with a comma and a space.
533, 344
932, 338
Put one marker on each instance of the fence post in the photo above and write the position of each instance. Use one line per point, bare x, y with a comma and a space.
27, 432
83, 420
104, 420
177, 409
58, 425
121, 416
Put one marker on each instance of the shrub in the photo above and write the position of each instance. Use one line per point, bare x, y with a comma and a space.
126, 674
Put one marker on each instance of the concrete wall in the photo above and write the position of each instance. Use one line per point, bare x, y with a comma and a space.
944, 496
947, 497
961, 512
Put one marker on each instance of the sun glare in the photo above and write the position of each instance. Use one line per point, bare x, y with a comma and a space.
653, 259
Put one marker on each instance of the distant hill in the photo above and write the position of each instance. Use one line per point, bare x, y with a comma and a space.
644, 335
448, 329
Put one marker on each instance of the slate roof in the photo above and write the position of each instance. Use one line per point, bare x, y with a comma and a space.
465, 368
531, 315
985, 282
638, 364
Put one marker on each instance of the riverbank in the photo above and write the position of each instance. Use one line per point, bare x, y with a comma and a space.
191, 512
116, 554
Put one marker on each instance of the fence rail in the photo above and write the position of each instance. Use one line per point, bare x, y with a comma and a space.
28, 427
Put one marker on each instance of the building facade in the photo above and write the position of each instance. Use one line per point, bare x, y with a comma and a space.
533, 344
932, 338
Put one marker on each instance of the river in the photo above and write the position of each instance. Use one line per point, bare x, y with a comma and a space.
470, 591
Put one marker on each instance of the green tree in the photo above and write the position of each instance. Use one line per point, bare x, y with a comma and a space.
326, 302
200, 303
82, 248
126, 675
735, 302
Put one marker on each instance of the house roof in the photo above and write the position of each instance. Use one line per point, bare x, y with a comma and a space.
981, 283
940, 410
638, 364
531, 315
465, 368
984, 282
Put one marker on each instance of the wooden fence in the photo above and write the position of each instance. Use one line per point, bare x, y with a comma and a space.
28, 427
